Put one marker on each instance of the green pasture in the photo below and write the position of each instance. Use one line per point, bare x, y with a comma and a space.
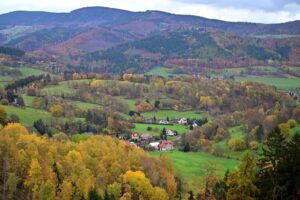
28, 115
191, 166
142, 128
280, 83
164, 72
172, 114
235, 132
85, 106
63, 87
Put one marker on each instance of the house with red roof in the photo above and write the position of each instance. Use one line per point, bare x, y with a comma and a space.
166, 145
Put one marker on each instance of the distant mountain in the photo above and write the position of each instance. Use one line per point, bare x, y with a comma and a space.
95, 28
191, 49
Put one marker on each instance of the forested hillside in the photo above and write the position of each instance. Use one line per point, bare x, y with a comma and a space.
100, 168
76, 32
189, 50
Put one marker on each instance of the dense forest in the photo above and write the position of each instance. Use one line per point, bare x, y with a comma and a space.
35, 167
200, 47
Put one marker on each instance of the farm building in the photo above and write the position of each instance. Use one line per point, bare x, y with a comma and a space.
182, 121
166, 145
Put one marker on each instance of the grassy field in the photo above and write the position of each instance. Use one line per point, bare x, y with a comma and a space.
85, 106
280, 83
191, 166
142, 128
163, 114
26, 71
129, 102
28, 100
28, 115
63, 88
2, 84
164, 72
235, 132
295, 130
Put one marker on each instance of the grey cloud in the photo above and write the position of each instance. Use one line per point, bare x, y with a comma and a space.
265, 5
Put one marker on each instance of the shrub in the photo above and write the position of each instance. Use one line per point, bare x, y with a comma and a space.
237, 144
14, 118
284, 129
4, 102
253, 145
292, 123
218, 151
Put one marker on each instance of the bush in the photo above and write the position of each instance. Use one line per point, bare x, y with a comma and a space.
292, 123
237, 144
218, 151
253, 145
284, 129
14, 118
4, 102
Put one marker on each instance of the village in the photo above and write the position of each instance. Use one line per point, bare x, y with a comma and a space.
168, 136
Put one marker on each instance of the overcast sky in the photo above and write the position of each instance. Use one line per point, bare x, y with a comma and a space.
263, 11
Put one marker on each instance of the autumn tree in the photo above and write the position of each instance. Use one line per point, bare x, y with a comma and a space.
99, 167
56, 110
241, 183
3, 116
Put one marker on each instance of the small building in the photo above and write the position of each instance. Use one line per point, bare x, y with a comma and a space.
182, 121
154, 145
166, 145
146, 136
148, 121
163, 122
170, 132
195, 125
135, 136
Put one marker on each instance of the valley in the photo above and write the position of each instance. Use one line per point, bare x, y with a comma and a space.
108, 104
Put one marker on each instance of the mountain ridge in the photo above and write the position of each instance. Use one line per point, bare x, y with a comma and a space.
84, 32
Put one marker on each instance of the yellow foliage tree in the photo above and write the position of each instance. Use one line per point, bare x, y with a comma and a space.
284, 129
56, 110
55, 168
96, 83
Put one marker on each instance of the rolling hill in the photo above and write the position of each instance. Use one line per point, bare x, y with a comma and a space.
192, 50
95, 28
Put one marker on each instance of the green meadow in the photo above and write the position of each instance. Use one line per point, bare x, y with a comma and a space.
191, 166
28, 115
163, 114
63, 87
280, 83
142, 128
164, 72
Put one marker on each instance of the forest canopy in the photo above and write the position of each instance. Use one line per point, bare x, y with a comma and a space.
49, 168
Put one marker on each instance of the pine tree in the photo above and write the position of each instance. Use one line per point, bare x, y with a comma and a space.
279, 168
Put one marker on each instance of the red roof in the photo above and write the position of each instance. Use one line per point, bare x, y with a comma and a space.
166, 142
135, 135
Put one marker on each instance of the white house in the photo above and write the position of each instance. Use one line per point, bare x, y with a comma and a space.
169, 132
163, 122
195, 125
154, 145
182, 121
